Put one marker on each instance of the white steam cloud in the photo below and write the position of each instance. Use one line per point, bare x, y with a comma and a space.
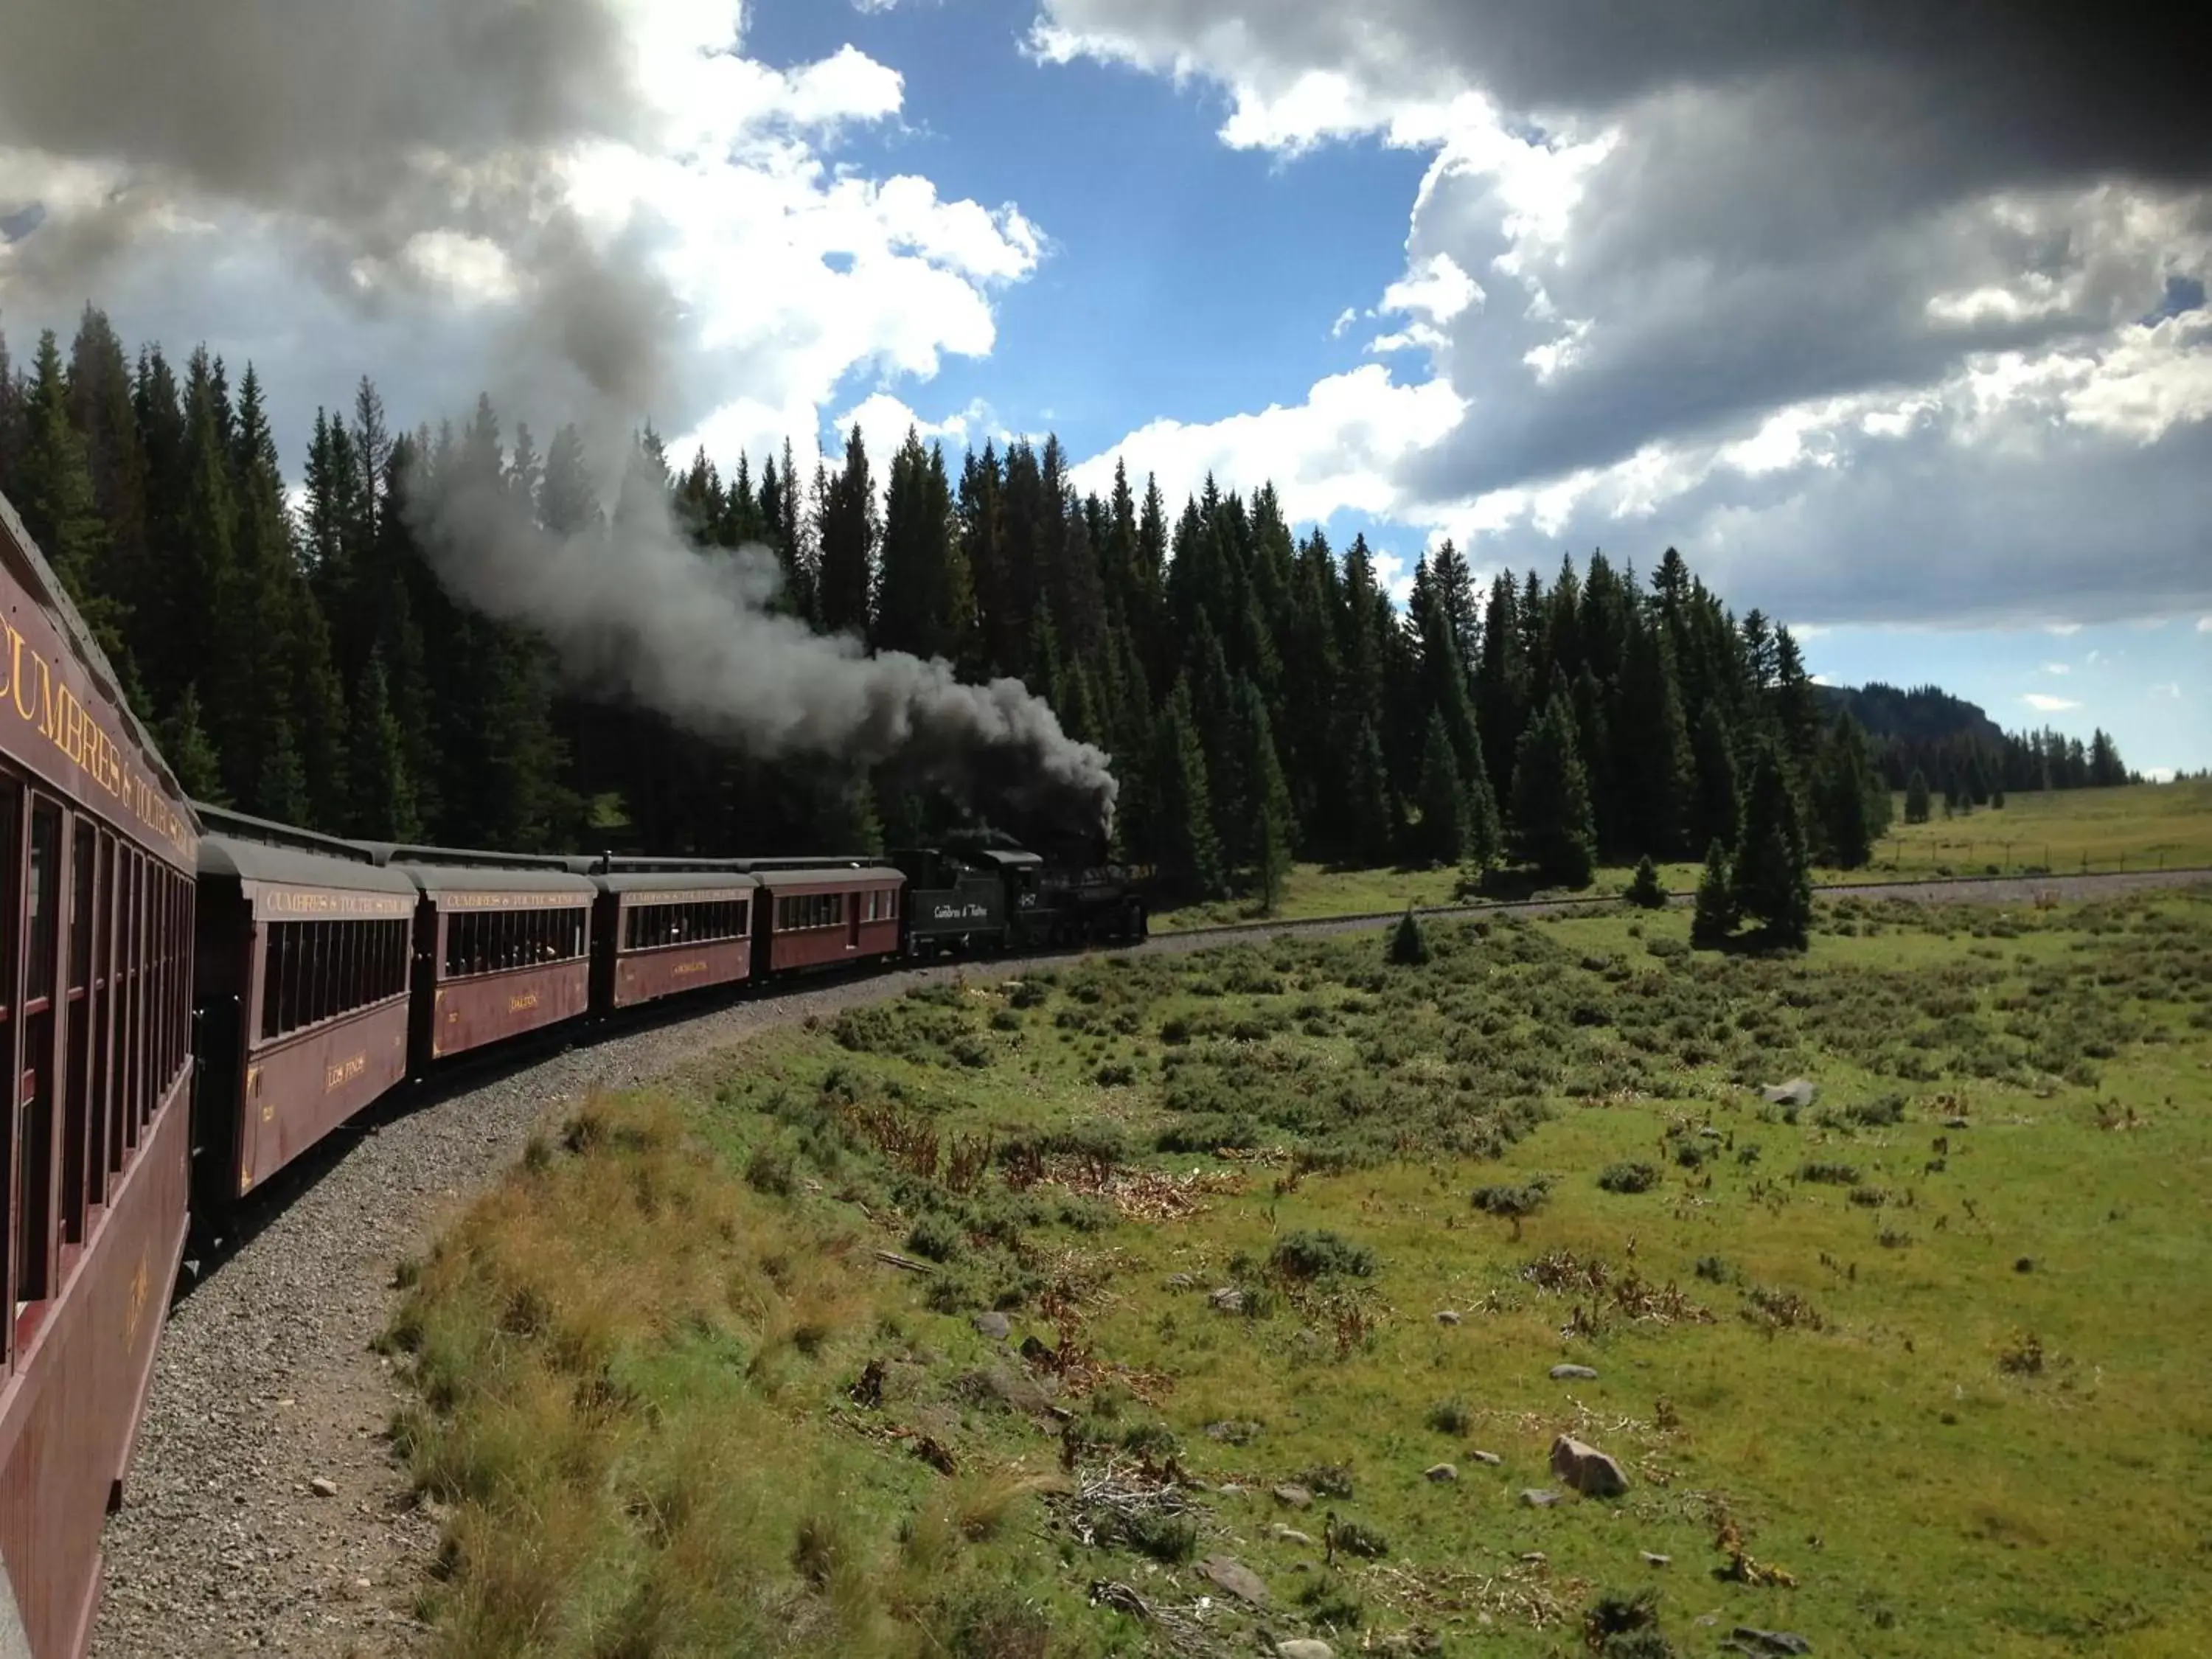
633, 606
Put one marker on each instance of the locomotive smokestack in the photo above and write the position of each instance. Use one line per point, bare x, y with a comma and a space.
633, 607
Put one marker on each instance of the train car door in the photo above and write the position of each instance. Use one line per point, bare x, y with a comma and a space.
852, 919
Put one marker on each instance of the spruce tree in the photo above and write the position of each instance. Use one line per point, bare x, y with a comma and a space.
1716, 814
1653, 765
1773, 869
1409, 945
1441, 836
1645, 889
184, 746
1551, 827
1372, 808
383, 794
849, 531
1269, 837
1917, 804
1843, 787
1715, 915
1187, 851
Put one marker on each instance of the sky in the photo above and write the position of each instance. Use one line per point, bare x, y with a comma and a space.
1893, 319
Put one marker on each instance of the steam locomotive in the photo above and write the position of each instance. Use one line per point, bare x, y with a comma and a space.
190, 998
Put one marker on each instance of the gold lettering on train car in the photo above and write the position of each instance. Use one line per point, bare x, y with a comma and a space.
345, 1071
141, 1283
684, 967
74, 730
522, 1004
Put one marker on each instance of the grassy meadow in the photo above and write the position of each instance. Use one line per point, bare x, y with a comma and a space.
2141, 826
1277, 1229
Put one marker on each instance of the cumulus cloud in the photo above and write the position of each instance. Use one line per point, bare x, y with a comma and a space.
2047, 705
598, 209
1732, 267
1342, 447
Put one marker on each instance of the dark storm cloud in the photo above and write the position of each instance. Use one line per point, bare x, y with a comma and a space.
1861, 200
2052, 88
328, 105
1925, 530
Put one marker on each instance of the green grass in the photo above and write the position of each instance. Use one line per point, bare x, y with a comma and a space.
2065, 832
1907, 1387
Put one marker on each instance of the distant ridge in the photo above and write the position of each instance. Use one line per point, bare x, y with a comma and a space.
1926, 713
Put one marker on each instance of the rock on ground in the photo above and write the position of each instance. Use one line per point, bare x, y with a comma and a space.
1573, 1374
1586, 1469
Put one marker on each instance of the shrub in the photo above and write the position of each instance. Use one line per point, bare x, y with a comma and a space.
769, 1170
1619, 1626
1328, 1481
1364, 1541
1453, 1417
1321, 1254
1713, 1269
1877, 1114
1169, 1538
936, 1237
1645, 889
1628, 1177
1513, 1202
1830, 1175
1175, 1031
1409, 946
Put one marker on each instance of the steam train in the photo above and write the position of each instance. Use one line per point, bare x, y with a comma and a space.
190, 998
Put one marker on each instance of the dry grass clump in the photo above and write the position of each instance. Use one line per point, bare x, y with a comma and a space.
615, 1354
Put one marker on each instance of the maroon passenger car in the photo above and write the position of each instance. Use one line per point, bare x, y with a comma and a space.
302, 977
821, 913
663, 926
97, 846
501, 945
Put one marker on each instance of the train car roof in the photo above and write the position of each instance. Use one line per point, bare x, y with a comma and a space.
604, 864
829, 875
435, 878
226, 857
695, 880
47, 587
812, 862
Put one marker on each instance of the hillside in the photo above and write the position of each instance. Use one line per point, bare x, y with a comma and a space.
1926, 713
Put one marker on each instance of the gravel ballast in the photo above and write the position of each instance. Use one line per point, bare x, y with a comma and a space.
264, 1512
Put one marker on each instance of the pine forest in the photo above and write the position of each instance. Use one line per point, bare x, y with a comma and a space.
1261, 695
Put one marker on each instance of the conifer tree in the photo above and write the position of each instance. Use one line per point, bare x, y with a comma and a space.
1187, 852
1551, 827
1772, 868
1645, 889
1441, 836
383, 794
848, 531
1409, 945
1269, 802
1715, 813
184, 746
1653, 766
54, 479
1916, 798
1714, 917
1843, 793
1373, 810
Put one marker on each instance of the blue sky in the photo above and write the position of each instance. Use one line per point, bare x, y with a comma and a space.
1905, 343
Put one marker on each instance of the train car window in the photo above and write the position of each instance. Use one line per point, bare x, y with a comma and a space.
103, 1001
34, 1122
78, 1161
142, 1011
11, 939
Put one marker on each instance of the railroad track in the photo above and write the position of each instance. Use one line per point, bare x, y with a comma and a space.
265, 1383
1972, 889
